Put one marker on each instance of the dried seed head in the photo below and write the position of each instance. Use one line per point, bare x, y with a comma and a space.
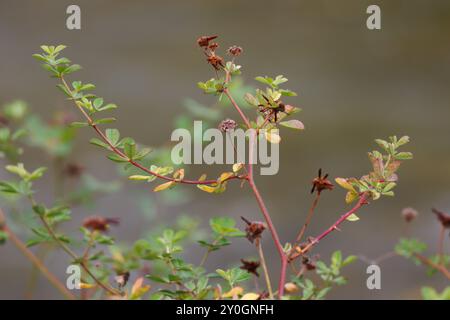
3, 120
250, 266
254, 229
263, 295
227, 125
203, 41
310, 263
234, 51
74, 170
122, 279
409, 214
443, 217
291, 287
215, 61
213, 46
99, 223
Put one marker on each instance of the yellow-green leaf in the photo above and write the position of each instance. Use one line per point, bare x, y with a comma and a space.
139, 177
272, 137
250, 296
345, 184
224, 176
293, 124
237, 167
179, 174
351, 196
138, 290
206, 188
234, 292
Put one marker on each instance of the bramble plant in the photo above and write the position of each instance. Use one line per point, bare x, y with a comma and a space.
170, 274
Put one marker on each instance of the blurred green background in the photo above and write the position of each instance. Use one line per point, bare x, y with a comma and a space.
354, 85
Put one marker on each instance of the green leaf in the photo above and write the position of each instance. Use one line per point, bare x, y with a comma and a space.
98, 102
234, 275
142, 153
36, 174
64, 90
349, 260
3, 237
113, 136
15, 110
58, 214
79, 124
39, 57
116, 158
288, 93
352, 217
336, 259
130, 149
109, 106
39, 209
104, 120
429, 293
225, 226
383, 144
265, 80
157, 278
404, 156
71, 69
409, 247
403, 140
8, 187
251, 100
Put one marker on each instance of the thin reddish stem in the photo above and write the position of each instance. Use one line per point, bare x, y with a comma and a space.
361, 202
236, 106
233, 102
436, 266
265, 212
308, 218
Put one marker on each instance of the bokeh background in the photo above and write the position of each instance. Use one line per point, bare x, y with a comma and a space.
354, 85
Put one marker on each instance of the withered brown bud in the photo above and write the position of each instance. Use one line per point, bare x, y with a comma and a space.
291, 287
263, 295
234, 51
254, 229
250, 266
99, 223
227, 125
213, 46
310, 264
409, 214
321, 183
203, 41
443, 217
74, 170
215, 61
3, 120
